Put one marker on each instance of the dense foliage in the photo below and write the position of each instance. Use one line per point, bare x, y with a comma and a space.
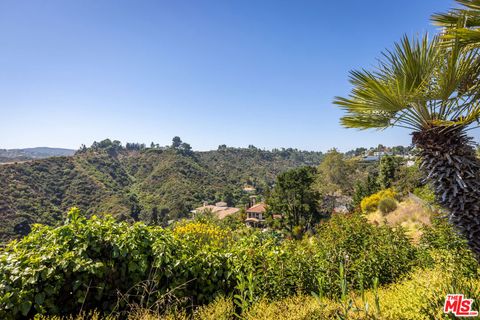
296, 200
387, 205
371, 202
135, 183
108, 265
431, 87
335, 174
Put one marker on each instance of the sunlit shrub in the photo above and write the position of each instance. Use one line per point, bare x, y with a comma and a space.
447, 248
387, 205
366, 251
293, 308
425, 193
370, 203
220, 309
102, 264
85, 262
201, 232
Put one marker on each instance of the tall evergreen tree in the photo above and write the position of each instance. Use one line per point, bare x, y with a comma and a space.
295, 198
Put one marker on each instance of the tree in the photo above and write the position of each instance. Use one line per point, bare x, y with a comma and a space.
408, 179
399, 150
154, 216
134, 146
335, 174
389, 166
462, 25
186, 148
228, 198
135, 208
430, 88
22, 228
356, 152
365, 188
82, 149
294, 197
176, 142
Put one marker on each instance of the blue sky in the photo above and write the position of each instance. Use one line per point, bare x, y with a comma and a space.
212, 72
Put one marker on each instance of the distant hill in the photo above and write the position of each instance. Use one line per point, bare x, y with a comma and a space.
159, 183
12, 155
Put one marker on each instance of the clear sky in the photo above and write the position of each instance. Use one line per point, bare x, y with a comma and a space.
235, 72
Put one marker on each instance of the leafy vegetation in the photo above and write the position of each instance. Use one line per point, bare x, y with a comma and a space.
372, 202
387, 205
296, 200
367, 264
430, 86
99, 263
136, 183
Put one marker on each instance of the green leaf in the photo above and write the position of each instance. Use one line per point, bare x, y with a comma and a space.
25, 307
39, 298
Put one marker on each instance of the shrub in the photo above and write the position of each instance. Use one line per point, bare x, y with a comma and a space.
387, 205
85, 262
201, 233
220, 309
370, 203
366, 251
293, 308
425, 193
446, 247
102, 264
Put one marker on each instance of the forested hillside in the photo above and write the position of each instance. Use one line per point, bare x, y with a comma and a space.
132, 182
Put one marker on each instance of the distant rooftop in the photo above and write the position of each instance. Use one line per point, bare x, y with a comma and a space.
220, 209
371, 158
258, 208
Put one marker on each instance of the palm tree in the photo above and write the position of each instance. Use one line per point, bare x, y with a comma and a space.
429, 88
462, 23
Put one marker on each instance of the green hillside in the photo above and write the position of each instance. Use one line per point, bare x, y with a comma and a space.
133, 182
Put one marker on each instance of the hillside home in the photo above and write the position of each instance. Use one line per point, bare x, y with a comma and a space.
256, 215
220, 209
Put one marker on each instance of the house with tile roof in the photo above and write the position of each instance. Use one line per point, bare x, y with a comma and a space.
220, 209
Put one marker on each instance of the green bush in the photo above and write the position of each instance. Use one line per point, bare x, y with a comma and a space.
85, 262
425, 193
366, 251
387, 205
446, 247
102, 264
371, 202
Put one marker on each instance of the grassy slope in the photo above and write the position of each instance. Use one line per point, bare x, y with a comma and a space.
410, 214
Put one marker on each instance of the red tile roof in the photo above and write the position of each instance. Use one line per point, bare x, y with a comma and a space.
258, 208
221, 212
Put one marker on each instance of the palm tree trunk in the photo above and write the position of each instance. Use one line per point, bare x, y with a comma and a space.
450, 164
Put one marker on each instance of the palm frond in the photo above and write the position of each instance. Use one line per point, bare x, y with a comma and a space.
418, 84
461, 24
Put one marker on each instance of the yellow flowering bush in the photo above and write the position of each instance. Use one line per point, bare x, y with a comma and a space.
201, 232
370, 203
